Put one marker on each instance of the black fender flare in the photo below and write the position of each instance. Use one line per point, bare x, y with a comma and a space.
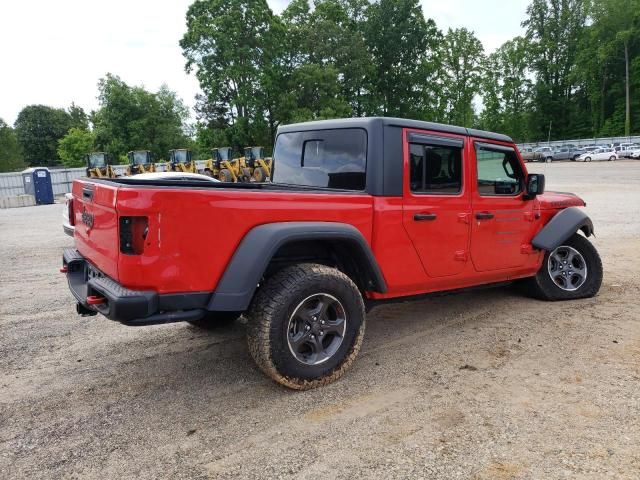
250, 260
564, 224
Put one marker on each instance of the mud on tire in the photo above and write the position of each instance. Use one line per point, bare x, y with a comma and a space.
277, 312
543, 286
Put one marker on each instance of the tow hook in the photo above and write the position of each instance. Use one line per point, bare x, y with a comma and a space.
84, 311
95, 300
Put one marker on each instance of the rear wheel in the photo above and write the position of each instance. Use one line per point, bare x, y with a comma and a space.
549, 159
306, 325
612, 158
587, 159
572, 270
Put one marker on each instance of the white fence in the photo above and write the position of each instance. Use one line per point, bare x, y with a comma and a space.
11, 184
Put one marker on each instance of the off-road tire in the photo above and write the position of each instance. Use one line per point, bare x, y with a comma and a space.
268, 320
259, 175
542, 286
224, 175
215, 320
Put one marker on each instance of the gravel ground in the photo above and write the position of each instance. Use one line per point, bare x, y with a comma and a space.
485, 385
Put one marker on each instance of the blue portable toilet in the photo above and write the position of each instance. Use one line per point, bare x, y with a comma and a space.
37, 182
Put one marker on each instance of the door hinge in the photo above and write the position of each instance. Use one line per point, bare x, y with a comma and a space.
461, 255
463, 217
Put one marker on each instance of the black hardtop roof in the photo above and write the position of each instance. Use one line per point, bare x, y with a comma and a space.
369, 122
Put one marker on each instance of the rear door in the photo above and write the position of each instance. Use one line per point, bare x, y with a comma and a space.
436, 205
96, 224
502, 217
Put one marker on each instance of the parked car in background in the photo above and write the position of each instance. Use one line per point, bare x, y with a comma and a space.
531, 155
599, 154
546, 153
566, 153
635, 153
627, 150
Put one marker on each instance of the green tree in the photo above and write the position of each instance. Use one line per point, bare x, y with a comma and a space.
506, 90
401, 42
462, 60
79, 118
228, 44
132, 118
554, 29
38, 129
614, 41
11, 157
74, 146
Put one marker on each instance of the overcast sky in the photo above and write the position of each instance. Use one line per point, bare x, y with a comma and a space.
54, 52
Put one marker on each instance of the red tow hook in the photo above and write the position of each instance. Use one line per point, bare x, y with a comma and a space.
95, 300
64, 269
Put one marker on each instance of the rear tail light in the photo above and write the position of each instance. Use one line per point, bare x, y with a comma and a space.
133, 233
72, 220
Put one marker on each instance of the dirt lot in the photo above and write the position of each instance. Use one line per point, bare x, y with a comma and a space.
487, 385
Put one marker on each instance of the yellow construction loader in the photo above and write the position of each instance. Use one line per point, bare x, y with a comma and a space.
180, 160
98, 165
259, 165
229, 169
141, 161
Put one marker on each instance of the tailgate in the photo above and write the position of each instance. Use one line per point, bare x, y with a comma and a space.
96, 224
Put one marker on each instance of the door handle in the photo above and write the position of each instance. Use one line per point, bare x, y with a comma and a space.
484, 216
424, 217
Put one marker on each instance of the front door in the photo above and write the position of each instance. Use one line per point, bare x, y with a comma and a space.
436, 208
501, 217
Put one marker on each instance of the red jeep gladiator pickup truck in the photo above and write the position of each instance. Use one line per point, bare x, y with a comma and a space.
358, 211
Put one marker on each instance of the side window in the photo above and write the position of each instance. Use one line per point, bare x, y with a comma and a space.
435, 169
499, 171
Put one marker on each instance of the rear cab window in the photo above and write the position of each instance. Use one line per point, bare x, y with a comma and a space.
332, 159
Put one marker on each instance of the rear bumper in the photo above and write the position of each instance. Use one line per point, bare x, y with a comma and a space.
131, 307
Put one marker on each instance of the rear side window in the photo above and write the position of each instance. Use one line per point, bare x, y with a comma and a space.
435, 169
322, 158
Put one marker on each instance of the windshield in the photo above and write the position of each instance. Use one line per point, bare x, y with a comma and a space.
97, 160
180, 156
257, 152
225, 153
322, 158
139, 158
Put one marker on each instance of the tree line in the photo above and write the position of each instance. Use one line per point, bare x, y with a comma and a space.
574, 73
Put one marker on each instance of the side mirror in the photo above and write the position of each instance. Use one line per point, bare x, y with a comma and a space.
535, 185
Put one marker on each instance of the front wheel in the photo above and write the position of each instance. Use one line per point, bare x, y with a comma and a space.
549, 159
225, 175
306, 325
612, 158
588, 159
572, 270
